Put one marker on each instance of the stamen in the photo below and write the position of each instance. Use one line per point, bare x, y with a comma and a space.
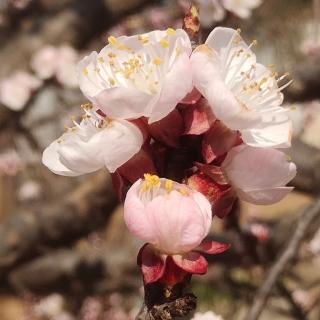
112, 40
157, 61
171, 32
164, 43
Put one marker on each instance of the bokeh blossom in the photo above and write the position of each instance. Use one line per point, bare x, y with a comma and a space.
209, 315
16, 90
59, 62
10, 163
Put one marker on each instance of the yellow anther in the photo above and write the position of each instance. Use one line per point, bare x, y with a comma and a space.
169, 185
123, 46
85, 71
254, 42
178, 51
112, 40
143, 39
101, 59
87, 106
238, 30
184, 192
164, 43
157, 61
171, 32
194, 11
112, 81
111, 55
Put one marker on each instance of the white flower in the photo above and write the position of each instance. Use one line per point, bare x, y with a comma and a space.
209, 315
59, 62
142, 75
210, 11
16, 90
242, 93
241, 8
258, 175
94, 143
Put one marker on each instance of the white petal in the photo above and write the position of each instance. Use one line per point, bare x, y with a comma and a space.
251, 168
273, 131
91, 148
134, 76
51, 159
264, 196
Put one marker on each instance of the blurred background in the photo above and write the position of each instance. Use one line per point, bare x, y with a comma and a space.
65, 253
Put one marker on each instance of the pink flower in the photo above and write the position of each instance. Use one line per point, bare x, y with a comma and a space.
173, 219
10, 163
59, 62
142, 75
16, 90
258, 175
242, 93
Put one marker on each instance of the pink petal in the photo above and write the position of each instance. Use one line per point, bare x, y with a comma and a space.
192, 262
135, 217
168, 130
213, 247
180, 222
152, 265
264, 196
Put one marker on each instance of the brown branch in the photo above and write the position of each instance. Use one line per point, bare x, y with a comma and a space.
164, 303
56, 224
305, 220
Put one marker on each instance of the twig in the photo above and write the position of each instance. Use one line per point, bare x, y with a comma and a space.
305, 220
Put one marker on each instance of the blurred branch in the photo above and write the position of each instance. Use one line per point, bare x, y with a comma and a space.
64, 270
304, 222
307, 159
56, 224
306, 81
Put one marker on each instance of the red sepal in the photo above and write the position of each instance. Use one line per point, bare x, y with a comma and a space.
191, 262
198, 118
213, 247
173, 273
152, 264
169, 129
218, 140
137, 166
192, 97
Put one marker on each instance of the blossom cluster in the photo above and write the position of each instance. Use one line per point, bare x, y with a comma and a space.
212, 11
47, 63
208, 121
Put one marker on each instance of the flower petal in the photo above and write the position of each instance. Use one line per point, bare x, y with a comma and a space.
142, 75
253, 171
264, 196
